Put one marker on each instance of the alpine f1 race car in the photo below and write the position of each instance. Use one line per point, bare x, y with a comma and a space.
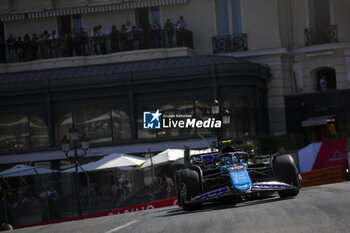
235, 175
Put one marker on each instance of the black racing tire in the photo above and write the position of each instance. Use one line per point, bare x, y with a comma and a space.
286, 171
191, 181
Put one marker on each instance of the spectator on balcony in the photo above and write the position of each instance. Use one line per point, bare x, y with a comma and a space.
95, 44
180, 26
46, 44
123, 38
64, 45
102, 39
11, 47
135, 39
114, 38
54, 44
75, 43
2, 51
42, 46
27, 44
130, 34
35, 46
20, 49
323, 83
169, 33
156, 30
83, 39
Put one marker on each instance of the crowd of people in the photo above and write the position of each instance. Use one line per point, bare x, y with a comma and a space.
100, 41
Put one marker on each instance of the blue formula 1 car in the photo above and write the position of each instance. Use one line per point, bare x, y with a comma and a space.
235, 175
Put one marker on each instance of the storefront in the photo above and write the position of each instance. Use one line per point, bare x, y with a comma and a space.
318, 116
107, 102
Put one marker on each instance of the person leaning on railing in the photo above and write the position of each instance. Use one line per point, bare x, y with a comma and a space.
94, 39
169, 33
83, 39
114, 39
180, 26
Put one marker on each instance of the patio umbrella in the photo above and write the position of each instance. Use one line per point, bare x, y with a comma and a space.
115, 160
24, 170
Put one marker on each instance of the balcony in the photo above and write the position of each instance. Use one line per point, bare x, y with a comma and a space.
99, 47
315, 36
230, 43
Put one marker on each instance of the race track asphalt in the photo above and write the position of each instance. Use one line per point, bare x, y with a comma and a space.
316, 209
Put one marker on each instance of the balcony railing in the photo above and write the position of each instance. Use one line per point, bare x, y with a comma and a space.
98, 45
315, 36
230, 43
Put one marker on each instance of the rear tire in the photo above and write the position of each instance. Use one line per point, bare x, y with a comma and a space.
287, 172
189, 181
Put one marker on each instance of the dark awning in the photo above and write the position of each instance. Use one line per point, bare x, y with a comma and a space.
319, 120
142, 71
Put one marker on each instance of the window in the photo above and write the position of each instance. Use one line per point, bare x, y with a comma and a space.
100, 124
77, 22
155, 15
95, 122
22, 132
64, 24
319, 14
38, 132
121, 125
236, 17
320, 26
326, 79
63, 125
223, 17
229, 17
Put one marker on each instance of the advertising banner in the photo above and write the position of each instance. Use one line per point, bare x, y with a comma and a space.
322, 155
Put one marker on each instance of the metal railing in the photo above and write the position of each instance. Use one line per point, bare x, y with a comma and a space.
53, 200
230, 43
95, 45
315, 36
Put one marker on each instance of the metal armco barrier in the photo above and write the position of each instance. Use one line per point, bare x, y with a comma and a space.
145, 206
322, 176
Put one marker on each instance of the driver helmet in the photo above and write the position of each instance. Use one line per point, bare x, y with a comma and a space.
227, 149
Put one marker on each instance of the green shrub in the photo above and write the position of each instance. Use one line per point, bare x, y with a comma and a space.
274, 144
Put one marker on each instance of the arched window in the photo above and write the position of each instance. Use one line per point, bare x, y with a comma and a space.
326, 79
62, 127
96, 123
196, 109
242, 123
39, 133
100, 124
121, 125
22, 132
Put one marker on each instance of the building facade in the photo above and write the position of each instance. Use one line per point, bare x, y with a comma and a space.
299, 41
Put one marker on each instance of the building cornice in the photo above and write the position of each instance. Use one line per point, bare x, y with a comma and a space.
320, 48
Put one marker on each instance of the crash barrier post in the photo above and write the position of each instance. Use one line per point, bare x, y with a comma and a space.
322, 176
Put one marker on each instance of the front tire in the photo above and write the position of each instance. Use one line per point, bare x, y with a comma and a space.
286, 171
188, 186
